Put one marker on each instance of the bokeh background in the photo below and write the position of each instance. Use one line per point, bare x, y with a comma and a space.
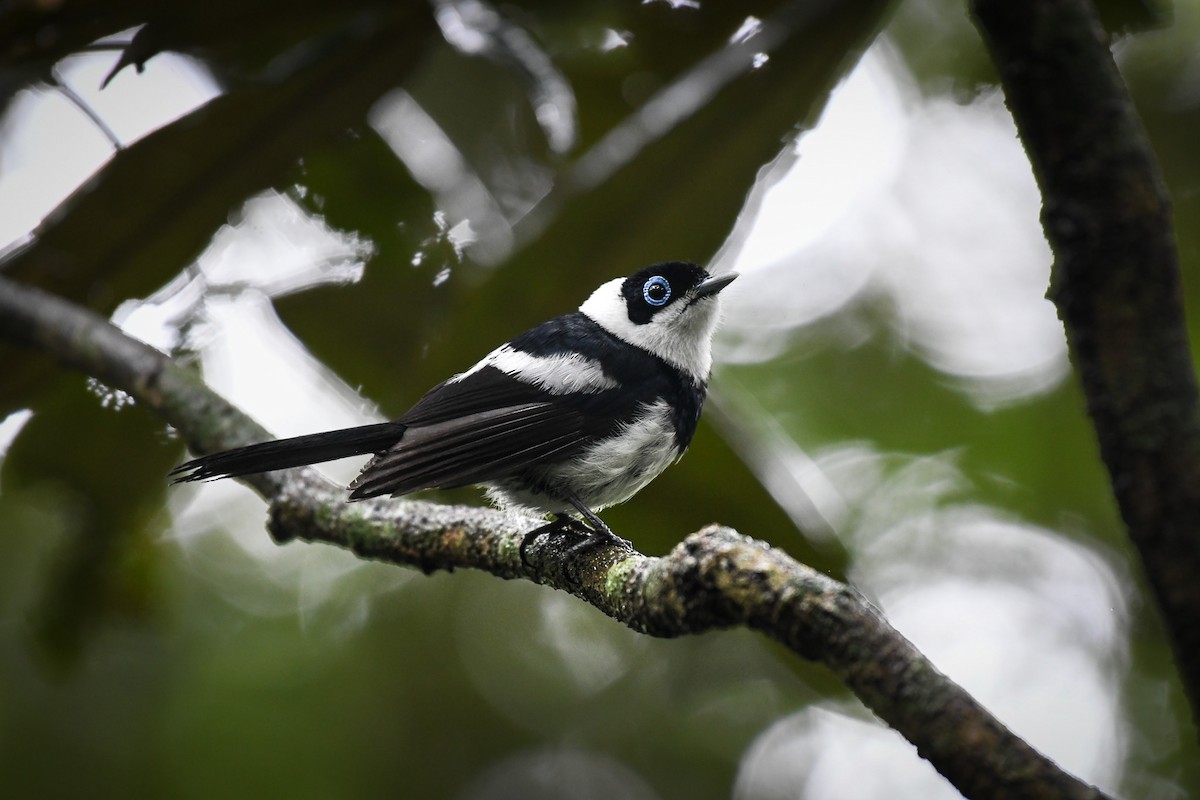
327, 211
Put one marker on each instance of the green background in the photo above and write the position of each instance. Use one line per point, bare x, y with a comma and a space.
139, 656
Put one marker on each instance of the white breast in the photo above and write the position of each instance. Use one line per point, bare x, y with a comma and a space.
610, 471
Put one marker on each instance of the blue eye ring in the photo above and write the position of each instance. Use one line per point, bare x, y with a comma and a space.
656, 291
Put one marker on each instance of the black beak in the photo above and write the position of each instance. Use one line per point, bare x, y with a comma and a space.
713, 284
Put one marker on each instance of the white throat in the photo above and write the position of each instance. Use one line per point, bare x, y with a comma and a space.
680, 334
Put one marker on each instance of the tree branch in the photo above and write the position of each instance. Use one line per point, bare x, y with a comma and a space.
1115, 282
713, 579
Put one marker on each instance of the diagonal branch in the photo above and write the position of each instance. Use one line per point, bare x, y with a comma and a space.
1116, 283
716, 578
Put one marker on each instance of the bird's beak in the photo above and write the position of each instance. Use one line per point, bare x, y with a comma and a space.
713, 284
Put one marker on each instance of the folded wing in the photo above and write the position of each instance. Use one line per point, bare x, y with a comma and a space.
481, 427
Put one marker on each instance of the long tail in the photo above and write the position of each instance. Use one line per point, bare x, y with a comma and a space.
298, 451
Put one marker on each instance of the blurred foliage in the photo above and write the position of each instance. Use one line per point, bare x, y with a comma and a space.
187, 668
104, 568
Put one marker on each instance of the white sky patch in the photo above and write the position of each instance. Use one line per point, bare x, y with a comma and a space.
48, 146
277, 246
856, 147
749, 28
676, 4
927, 200
250, 357
10, 426
257, 364
462, 236
436, 163
614, 40
967, 263
248, 354
274, 248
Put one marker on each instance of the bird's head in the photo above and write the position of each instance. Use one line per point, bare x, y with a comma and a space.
669, 309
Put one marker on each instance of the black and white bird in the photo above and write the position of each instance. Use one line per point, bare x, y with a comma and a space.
576, 414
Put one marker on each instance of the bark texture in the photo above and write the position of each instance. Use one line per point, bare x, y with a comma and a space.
1116, 284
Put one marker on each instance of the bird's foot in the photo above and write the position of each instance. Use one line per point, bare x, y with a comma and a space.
559, 525
592, 538
597, 531
593, 535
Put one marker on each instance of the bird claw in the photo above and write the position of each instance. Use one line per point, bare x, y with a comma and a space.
591, 538
558, 525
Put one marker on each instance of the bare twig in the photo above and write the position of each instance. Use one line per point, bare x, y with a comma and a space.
714, 579
1116, 284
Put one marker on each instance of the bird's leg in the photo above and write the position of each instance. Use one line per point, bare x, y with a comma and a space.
600, 533
594, 532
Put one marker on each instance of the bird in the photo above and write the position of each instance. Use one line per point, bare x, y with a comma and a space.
572, 416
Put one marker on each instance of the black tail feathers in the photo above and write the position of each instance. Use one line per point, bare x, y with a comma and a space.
299, 451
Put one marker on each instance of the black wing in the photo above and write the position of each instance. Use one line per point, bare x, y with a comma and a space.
482, 427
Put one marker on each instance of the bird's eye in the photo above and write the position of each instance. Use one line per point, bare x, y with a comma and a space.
657, 291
